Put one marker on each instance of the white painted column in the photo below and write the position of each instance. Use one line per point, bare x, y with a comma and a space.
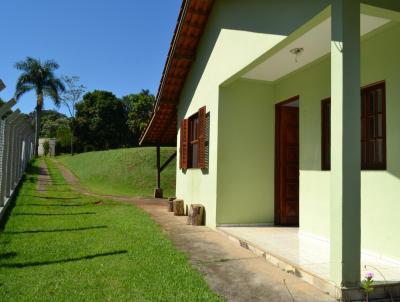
345, 205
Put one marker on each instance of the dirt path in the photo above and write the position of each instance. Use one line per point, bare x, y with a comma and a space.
76, 186
44, 178
232, 272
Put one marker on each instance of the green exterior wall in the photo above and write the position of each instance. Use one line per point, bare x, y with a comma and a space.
229, 43
380, 189
245, 187
312, 84
238, 187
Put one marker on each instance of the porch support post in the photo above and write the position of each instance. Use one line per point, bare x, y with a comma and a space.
345, 215
158, 193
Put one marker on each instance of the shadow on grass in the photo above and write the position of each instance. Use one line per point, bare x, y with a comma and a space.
55, 205
33, 169
8, 255
47, 191
57, 230
51, 197
67, 260
10, 208
54, 214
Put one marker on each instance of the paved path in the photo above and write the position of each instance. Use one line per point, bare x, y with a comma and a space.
232, 272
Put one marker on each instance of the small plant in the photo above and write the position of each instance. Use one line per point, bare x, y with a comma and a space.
367, 284
46, 147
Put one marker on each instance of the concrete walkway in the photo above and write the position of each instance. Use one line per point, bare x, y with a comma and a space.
231, 271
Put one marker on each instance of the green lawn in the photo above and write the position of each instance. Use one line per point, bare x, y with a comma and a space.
129, 172
63, 246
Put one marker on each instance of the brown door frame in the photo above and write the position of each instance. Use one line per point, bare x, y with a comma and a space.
277, 204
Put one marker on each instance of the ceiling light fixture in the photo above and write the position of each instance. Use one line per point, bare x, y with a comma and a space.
297, 52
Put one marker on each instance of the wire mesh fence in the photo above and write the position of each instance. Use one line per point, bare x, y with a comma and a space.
16, 150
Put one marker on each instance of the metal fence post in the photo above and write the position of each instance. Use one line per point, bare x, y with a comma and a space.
16, 150
11, 120
3, 159
5, 145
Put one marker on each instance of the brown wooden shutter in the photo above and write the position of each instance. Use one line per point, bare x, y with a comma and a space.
184, 144
180, 145
202, 137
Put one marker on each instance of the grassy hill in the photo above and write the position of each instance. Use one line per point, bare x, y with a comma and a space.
128, 172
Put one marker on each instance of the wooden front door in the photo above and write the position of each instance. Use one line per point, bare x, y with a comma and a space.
287, 165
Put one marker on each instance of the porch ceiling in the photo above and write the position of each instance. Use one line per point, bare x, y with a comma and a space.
315, 43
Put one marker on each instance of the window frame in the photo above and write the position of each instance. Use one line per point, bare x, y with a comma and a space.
193, 163
326, 134
365, 164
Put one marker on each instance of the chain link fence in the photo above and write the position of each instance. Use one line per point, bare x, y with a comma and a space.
16, 150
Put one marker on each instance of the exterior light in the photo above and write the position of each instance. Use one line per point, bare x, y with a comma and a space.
297, 51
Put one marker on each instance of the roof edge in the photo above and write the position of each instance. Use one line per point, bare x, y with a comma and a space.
181, 17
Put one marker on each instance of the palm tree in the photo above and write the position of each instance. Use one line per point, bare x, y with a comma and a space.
39, 77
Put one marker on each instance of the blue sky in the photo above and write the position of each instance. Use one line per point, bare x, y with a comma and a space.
115, 45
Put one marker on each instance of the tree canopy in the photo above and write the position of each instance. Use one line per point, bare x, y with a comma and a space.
138, 108
100, 121
51, 121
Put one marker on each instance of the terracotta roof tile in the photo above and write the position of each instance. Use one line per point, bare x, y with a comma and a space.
162, 127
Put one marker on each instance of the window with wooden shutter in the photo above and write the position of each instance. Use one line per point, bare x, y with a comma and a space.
194, 141
180, 145
193, 145
183, 160
202, 137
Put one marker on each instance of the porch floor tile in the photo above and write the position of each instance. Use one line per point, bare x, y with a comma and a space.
309, 253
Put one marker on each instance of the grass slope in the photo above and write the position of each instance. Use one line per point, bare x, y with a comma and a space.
129, 172
63, 246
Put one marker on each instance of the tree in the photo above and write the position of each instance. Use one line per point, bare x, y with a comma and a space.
138, 109
56, 125
63, 135
49, 124
46, 148
69, 98
38, 76
100, 121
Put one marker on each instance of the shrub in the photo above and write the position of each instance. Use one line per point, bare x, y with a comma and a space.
46, 148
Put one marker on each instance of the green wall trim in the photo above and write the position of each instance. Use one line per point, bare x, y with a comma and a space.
379, 30
380, 12
255, 81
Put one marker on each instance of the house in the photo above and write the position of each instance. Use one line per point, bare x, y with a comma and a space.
286, 113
